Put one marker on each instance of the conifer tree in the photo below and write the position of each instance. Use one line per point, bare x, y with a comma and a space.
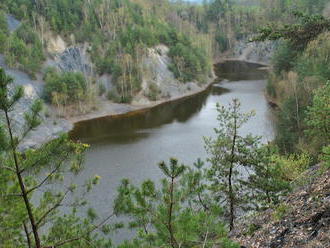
176, 215
229, 152
32, 171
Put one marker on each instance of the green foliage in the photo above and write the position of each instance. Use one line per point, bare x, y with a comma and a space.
23, 49
3, 23
267, 182
252, 229
188, 64
23, 220
65, 88
228, 152
114, 96
222, 41
287, 125
300, 34
172, 215
315, 60
291, 167
325, 157
3, 31
317, 116
284, 58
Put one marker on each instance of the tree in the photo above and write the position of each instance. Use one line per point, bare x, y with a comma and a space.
266, 183
228, 153
174, 215
300, 34
24, 173
317, 118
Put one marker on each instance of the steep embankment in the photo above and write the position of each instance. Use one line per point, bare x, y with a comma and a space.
258, 52
301, 220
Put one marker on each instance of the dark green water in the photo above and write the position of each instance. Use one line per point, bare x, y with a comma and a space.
131, 147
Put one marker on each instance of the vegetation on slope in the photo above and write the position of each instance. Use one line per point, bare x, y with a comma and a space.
193, 206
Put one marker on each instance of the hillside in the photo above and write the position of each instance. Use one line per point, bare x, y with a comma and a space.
301, 220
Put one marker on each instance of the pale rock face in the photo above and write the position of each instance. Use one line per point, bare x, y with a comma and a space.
156, 71
56, 45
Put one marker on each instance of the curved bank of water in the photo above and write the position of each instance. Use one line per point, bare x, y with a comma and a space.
131, 146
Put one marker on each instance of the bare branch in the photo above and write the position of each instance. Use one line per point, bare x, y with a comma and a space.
45, 179
82, 237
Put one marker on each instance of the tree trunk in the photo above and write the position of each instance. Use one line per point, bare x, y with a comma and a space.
230, 183
22, 185
174, 244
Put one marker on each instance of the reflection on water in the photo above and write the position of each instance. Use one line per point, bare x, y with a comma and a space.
132, 146
128, 128
238, 70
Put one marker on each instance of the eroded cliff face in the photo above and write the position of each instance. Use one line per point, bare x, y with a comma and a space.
258, 52
158, 82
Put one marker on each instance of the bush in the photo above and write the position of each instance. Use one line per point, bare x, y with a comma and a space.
317, 117
70, 87
292, 167
23, 50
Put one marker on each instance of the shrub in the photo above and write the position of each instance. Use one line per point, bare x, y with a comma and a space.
293, 166
70, 86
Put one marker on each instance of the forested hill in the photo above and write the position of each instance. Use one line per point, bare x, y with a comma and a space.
115, 35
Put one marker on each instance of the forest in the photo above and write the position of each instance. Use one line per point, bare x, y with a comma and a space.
193, 205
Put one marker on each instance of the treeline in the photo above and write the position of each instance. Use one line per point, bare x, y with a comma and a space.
300, 83
119, 33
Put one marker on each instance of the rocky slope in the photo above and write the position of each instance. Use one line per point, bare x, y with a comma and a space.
302, 220
157, 81
258, 52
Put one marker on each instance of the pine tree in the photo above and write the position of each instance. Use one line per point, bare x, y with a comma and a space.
22, 174
229, 153
179, 214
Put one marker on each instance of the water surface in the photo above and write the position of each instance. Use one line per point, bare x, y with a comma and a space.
131, 147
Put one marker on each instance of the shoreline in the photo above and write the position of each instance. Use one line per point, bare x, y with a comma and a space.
52, 128
135, 109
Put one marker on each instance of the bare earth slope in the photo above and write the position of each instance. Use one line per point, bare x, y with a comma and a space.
305, 224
